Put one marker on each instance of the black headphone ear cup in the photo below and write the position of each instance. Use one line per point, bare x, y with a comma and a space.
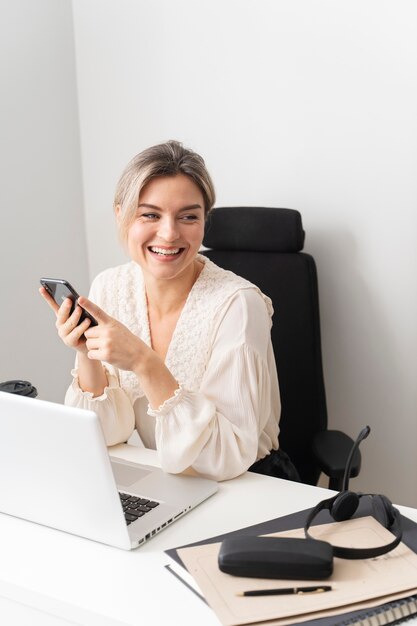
383, 510
344, 506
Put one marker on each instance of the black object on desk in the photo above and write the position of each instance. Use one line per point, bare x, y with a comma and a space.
276, 557
285, 591
19, 387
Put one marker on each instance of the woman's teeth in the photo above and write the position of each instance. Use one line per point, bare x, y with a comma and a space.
165, 252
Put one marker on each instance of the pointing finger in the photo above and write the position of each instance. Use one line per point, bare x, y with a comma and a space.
94, 310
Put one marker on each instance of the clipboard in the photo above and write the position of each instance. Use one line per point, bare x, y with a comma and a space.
296, 520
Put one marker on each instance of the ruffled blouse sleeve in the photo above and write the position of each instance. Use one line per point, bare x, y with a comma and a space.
232, 420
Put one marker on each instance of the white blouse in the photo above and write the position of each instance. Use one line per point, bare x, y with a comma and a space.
225, 414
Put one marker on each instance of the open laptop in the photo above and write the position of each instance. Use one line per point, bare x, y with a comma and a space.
55, 470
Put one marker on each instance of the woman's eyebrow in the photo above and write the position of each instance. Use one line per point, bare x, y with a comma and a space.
191, 207
148, 206
157, 208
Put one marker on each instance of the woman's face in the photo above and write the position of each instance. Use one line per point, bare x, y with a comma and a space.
165, 236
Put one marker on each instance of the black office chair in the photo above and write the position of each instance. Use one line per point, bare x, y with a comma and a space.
264, 246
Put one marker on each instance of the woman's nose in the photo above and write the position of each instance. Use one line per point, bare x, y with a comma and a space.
168, 229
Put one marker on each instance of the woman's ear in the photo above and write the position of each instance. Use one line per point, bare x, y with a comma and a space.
118, 213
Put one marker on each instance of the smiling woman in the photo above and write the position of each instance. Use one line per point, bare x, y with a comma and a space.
182, 350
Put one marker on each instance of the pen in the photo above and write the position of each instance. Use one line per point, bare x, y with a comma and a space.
285, 591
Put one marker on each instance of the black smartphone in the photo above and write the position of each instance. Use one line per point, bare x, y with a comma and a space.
60, 289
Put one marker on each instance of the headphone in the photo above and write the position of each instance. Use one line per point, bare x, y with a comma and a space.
343, 506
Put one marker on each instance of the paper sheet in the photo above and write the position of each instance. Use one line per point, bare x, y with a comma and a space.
356, 584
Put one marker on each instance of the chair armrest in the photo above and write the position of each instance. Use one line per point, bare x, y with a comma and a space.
331, 449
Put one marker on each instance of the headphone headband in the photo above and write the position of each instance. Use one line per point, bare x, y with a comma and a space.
351, 499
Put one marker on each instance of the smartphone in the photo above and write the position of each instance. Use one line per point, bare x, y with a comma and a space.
60, 289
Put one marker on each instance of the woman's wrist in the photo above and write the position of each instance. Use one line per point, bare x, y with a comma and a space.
156, 380
147, 361
91, 375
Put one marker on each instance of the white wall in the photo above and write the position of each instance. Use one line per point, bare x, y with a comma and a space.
42, 230
293, 103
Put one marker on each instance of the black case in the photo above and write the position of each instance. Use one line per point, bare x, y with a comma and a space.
276, 557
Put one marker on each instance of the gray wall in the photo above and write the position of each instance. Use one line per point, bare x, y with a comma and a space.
42, 229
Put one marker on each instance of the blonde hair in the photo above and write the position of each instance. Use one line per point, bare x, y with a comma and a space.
165, 159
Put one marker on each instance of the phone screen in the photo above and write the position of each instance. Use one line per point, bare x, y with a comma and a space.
61, 289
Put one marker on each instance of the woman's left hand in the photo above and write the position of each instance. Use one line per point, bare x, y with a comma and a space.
111, 341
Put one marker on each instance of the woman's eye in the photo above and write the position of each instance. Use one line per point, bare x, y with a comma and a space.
150, 216
189, 218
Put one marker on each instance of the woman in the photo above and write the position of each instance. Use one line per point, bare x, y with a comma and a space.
182, 350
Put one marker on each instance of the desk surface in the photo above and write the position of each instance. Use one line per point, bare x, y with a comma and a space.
51, 578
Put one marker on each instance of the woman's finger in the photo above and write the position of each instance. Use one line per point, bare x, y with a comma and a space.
93, 344
82, 327
95, 355
93, 332
94, 310
75, 317
63, 312
76, 334
70, 323
48, 299
66, 328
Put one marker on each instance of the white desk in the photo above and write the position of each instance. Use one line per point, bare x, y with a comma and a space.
50, 578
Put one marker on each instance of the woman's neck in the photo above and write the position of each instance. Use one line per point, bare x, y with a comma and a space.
166, 297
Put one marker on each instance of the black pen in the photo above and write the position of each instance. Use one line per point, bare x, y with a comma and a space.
285, 591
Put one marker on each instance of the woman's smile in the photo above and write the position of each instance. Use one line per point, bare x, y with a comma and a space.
164, 253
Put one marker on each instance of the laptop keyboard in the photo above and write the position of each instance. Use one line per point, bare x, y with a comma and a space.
135, 507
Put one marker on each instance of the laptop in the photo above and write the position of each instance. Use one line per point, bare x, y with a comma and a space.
55, 470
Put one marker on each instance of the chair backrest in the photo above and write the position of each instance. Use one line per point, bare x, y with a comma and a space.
264, 246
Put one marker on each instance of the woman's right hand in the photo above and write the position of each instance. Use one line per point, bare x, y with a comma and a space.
71, 333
